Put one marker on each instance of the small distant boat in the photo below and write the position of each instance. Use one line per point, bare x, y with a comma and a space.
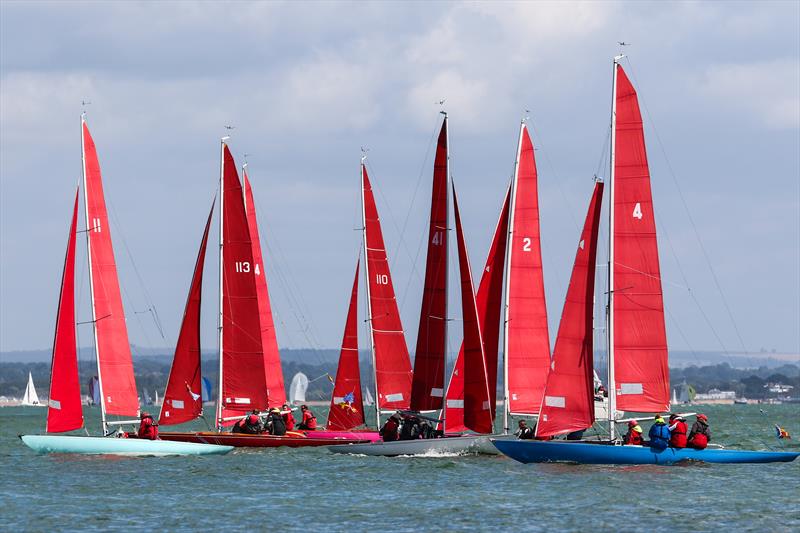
298, 388
741, 401
637, 357
116, 385
30, 398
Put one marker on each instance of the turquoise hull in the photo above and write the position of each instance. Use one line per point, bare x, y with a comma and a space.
527, 451
115, 446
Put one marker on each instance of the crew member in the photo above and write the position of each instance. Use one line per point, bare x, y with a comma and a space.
410, 429
275, 422
309, 421
677, 431
288, 417
700, 434
659, 434
389, 432
524, 432
249, 425
634, 434
148, 428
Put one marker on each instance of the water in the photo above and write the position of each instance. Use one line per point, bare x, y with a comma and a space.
311, 489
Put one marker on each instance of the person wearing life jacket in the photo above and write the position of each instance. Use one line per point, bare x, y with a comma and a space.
390, 430
409, 430
288, 417
781, 432
148, 428
677, 431
700, 434
309, 421
634, 434
275, 422
249, 425
659, 434
524, 432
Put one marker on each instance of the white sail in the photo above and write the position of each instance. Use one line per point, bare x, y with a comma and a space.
298, 388
30, 397
368, 399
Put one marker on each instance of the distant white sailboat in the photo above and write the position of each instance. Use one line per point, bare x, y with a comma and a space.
30, 398
298, 388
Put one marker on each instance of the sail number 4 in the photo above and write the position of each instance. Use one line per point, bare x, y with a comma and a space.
242, 266
637, 211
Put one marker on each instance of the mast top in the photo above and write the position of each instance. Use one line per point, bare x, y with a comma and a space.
364, 154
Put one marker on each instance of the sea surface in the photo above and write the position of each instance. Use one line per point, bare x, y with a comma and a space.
313, 490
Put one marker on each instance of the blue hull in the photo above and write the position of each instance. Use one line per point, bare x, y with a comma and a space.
528, 451
114, 446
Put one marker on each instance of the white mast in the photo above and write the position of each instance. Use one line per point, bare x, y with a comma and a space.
507, 274
369, 304
89, 228
221, 274
612, 386
446, 250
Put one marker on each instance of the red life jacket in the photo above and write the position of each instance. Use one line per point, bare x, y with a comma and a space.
677, 438
633, 437
147, 430
309, 420
288, 419
699, 441
389, 430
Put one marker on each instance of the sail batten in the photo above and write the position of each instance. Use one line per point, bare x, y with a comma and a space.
115, 366
390, 353
64, 411
429, 358
568, 403
641, 372
347, 407
269, 341
183, 397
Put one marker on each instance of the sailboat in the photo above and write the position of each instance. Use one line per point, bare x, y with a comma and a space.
428, 384
250, 375
116, 382
638, 373
30, 398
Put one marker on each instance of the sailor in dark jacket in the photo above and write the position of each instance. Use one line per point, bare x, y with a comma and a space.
659, 434
275, 422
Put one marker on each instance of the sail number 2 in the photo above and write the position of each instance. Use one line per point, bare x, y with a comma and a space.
526, 244
242, 266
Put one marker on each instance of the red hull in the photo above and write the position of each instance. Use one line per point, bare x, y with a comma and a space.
239, 440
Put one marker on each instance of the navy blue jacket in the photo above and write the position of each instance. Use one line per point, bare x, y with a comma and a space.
659, 436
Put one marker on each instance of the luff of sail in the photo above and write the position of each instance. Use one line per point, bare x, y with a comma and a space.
392, 364
641, 368
527, 342
269, 341
243, 386
183, 396
347, 407
489, 301
477, 409
568, 403
64, 412
117, 384
427, 389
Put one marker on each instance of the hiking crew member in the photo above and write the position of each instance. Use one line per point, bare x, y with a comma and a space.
634, 434
410, 428
275, 422
148, 429
700, 433
659, 434
524, 432
288, 417
677, 431
249, 425
389, 431
309, 421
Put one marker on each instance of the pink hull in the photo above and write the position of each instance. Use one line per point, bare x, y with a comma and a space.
371, 436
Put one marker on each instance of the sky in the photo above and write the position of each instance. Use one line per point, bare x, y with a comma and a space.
306, 85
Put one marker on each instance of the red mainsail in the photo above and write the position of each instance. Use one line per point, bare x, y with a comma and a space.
569, 393
183, 396
347, 408
489, 301
117, 384
64, 412
477, 409
640, 340
427, 388
244, 384
392, 364
269, 342
527, 337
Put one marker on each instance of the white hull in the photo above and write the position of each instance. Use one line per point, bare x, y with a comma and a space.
463, 445
115, 446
